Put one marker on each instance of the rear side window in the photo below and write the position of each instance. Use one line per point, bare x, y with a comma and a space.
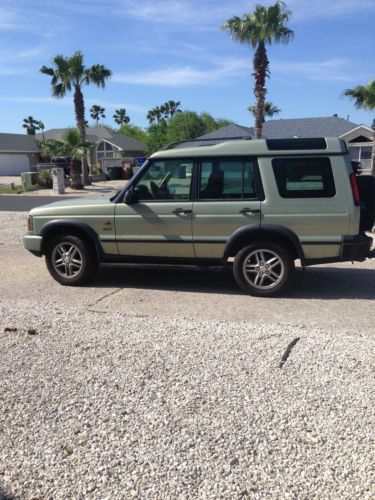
304, 177
227, 179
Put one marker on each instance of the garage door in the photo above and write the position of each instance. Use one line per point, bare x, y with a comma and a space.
14, 164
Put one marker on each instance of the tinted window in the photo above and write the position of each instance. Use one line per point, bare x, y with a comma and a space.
166, 180
228, 179
304, 177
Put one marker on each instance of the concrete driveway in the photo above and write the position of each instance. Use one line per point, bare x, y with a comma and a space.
334, 294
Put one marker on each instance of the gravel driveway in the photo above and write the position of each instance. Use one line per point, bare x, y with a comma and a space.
99, 402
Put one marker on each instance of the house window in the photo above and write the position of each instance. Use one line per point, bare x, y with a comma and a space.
354, 153
361, 153
366, 153
105, 150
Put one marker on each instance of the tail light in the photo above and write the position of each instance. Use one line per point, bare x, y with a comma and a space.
353, 182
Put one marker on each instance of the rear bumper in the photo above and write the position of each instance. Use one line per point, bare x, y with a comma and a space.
33, 243
357, 248
353, 248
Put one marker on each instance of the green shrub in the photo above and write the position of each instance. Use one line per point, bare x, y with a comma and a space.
45, 179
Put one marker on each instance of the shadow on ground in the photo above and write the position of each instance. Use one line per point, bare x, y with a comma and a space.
4, 495
317, 282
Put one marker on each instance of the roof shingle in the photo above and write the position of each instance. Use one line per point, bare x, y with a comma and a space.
18, 143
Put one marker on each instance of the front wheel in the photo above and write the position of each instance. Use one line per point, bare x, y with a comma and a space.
263, 269
71, 260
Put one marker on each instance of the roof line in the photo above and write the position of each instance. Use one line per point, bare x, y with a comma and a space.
18, 151
111, 143
355, 128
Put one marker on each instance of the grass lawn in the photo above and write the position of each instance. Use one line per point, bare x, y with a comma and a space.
5, 189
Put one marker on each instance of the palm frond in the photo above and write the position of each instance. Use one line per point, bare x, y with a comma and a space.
47, 71
98, 74
59, 90
76, 67
363, 95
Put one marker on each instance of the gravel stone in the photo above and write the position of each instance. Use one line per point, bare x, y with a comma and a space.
105, 405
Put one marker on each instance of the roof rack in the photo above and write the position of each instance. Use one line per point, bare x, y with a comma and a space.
224, 139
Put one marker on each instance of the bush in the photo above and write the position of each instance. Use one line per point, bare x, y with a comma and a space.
45, 179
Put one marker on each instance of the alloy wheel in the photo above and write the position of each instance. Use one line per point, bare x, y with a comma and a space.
67, 259
263, 269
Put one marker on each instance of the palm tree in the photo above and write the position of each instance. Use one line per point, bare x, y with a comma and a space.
263, 26
269, 110
97, 112
70, 73
157, 114
41, 127
120, 116
164, 108
31, 125
71, 146
172, 107
151, 116
364, 97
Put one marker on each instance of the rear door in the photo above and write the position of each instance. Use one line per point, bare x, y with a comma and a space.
227, 198
308, 195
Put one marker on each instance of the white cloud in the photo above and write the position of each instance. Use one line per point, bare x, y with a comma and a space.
305, 10
35, 100
68, 101
330, 70
186, 76
197, 14
135, 108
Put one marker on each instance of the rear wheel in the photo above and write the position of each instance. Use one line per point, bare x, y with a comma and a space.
71, 260
263, 268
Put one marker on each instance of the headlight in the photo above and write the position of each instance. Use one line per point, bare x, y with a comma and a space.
30, 227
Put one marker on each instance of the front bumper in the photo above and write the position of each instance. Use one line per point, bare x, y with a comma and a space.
33, 243
357, 248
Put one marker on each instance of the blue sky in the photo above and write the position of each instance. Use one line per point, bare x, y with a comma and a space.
174, 49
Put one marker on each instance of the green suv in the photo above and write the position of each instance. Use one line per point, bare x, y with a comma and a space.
255, 205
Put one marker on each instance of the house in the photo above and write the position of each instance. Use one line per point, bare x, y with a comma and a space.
18, 153
107, 146
357, 137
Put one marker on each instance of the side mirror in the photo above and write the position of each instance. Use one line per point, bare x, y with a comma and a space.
130, 196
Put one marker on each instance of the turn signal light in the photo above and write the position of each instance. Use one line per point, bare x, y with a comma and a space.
30, 223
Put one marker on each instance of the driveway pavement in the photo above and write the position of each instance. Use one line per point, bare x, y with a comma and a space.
333, 295
26, 201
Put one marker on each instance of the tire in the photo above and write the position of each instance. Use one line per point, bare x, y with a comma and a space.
71, 260
252, 274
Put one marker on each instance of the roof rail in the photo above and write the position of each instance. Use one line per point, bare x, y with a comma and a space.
238, 138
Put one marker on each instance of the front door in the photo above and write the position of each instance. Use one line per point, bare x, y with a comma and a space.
227, 200
159, 223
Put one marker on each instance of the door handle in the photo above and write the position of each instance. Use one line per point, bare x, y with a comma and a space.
181, 211
247, 210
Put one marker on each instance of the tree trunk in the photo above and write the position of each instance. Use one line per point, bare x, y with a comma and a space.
261, 71
75, 175
79, 107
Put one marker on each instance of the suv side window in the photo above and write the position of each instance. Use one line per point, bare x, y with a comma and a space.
166, 180
226, 179
304, 177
